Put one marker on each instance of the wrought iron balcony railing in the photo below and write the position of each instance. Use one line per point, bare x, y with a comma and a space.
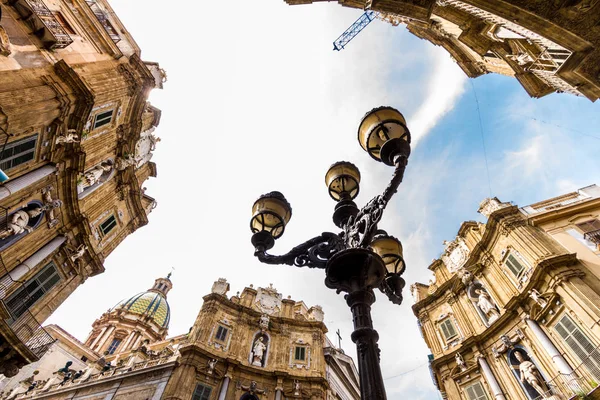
593, 236
31, 333
103, 19
43, 23
583, 380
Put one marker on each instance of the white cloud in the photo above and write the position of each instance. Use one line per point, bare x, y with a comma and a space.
443, 90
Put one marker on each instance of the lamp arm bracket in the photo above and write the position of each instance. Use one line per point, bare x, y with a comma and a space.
314, 253
359, 230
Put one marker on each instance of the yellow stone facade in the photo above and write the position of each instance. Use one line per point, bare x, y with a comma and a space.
513, 307
76, 138
253, 346
548, 46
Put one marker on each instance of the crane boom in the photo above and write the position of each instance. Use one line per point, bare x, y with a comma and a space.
354, 29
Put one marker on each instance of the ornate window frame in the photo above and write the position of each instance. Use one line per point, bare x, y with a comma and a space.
472, 382
300, 364
454, 340
523, 277
219, 344
90, 131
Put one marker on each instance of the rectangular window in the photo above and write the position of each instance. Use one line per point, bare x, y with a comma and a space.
33, 290
591, 231
108, 225
476, 392
448, 329
103, 118
578, 342
202, 392
221, 333
18, 152
114, 345
300, 354
581, 238
63, 22
514, 265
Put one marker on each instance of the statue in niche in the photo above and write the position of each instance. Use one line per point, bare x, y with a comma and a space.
78, 252
258, 352
485, 304
18, 222
530, 374
93, 176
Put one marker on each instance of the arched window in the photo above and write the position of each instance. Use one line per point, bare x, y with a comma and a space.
20, 222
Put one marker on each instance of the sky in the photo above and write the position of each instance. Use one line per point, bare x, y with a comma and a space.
256, 100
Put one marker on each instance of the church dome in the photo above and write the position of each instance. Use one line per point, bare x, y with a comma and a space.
151, 303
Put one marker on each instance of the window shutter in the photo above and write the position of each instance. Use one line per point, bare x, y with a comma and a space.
476, 392
514, 265
589, 226
202, 392
578, 342
445, 329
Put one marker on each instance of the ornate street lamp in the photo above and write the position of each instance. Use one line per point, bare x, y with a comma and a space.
360, 258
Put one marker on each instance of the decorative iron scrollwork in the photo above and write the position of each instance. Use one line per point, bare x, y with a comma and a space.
313, 253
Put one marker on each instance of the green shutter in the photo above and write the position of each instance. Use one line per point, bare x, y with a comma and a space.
476, 392
515, 266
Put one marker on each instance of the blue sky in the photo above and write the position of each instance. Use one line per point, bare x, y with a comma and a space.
257, 101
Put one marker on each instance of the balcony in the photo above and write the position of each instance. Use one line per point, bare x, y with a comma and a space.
582, 383
22, 340
593, 236
43, 23
102, 17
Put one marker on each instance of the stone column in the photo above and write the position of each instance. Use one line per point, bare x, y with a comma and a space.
101, 343
279, 389
129, 337
491, 379
560, 362
224, 387
13, 186
98, 337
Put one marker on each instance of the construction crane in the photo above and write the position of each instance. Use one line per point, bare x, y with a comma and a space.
358, 25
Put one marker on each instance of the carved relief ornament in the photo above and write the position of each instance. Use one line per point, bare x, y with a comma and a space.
456, 254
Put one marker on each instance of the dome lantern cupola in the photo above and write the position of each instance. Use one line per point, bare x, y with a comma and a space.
162, 285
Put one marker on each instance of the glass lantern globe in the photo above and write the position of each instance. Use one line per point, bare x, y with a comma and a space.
270, 213
390, 250
342, 180
381, 132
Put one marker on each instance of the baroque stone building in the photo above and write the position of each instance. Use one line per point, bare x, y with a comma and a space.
513, 307
548, 46
76, 138
254, 345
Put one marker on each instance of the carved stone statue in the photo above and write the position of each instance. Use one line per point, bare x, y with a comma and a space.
92, 177
126, 161
297, 388
485, 304
258, 352
18, 221
531, 375
460, 362
264, 322
465, 276
50, 205
537, 297
70, 137
211, 366
78, 253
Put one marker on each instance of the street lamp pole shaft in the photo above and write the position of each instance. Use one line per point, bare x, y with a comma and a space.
365, 337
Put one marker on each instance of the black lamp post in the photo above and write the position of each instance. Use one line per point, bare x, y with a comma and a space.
360, 257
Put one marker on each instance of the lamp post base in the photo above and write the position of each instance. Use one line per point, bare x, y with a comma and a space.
357, 272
